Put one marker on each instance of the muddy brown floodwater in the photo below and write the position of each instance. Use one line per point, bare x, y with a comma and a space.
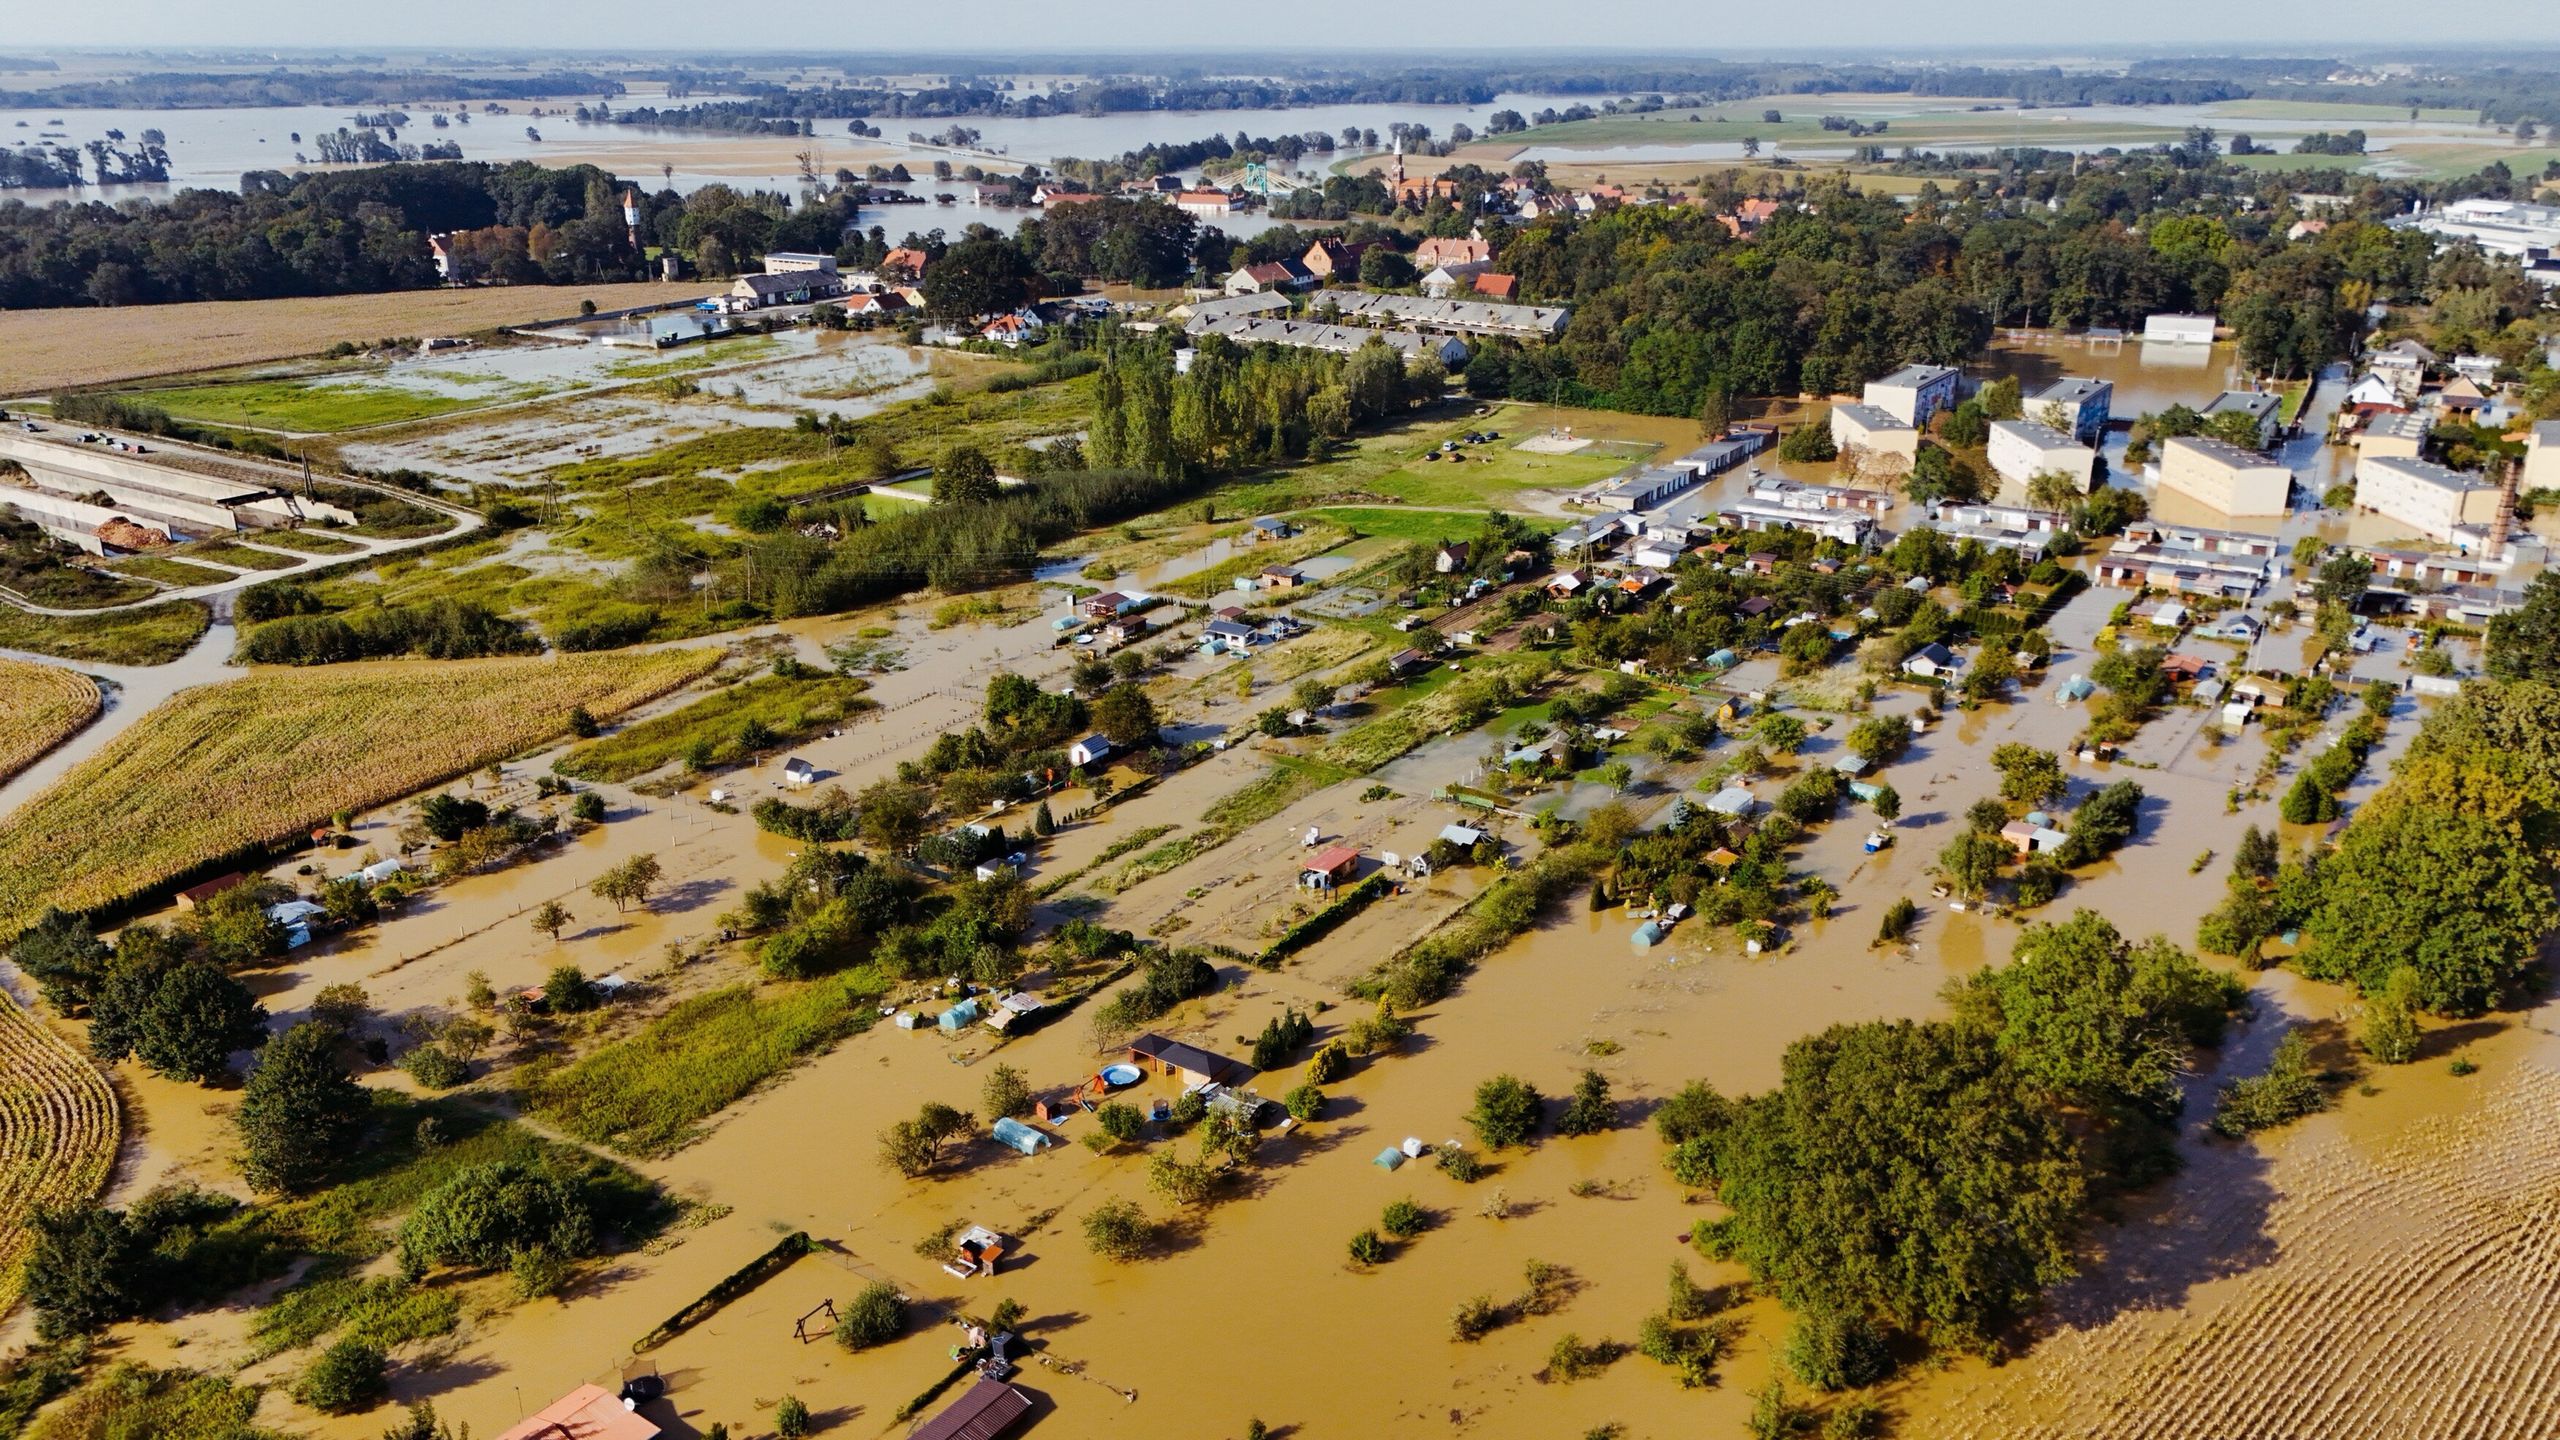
2382, 1270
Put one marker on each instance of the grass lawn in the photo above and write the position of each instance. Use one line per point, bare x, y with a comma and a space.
788, 710
152, 635
169, 572
71, 587
1388, 464
1421, 526
302, 406
234, 554
648, 1094
312, 541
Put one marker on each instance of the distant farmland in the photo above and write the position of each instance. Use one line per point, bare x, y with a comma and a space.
42, 351
40, 707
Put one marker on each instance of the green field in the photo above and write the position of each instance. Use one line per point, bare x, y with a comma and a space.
788, 710
152, 635
236, 555
2342, 111
303, 406
310, 541
648, 1094
1418, 526
169, 572
1910, 124
1388, 465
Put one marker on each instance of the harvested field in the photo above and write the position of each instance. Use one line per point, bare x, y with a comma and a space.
58, 1131
222, 768
53, 349
2401, 1287
40, 707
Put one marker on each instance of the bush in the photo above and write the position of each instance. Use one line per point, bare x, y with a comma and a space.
1117, 1230
790, 1418
1590, 1111
1121, 1121
1331, 1061
1404, 1219
1474, 1318
435, 1067
1832, 1351
2286, 1090
1367, 1248
1459, 1163
1006, 1093
1506, 1112
1304, 1103
347, 1379
875, 1317
2390, 1030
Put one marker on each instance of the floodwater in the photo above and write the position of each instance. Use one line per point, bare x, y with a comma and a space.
1244, 1300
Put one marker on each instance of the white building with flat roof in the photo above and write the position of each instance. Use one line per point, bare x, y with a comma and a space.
2500, 227
2023, 449
2428, 498
2401, 433
2179, 329
2542, 457
2259, 405
2224, 477
2082, 405
1915, 392
1874, 430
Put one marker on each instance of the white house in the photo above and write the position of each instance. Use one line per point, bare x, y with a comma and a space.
1089, 749
798, 773
1934, 661
1915, 392
2023, 449
2372, 391
2179, 329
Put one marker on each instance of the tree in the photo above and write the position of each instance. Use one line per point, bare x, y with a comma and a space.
912, 1147
2459, 900
874, 1317
588, 808
982, 275
1888, 803
1382, 268
2090, 1016
2287, 1090
1125, 715
1117, 1230
62, 955
301, 1111
347, 1379
568, 991
1782, 733
892, 816
1506, 1112
1971, 862
790, 1418
1878, 739
483, 1215
1590, 1111
2052, 490
1006, 1093
964, 476
2525, 644
88, 1267
2029, 775
550, 918
1809, 444
2390, 1031
448, 816
2342, 580
1904, 1172
179, 1015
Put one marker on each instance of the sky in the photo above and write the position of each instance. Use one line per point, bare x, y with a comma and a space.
1662, 26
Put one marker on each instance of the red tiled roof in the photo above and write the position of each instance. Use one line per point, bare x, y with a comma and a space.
1500, 287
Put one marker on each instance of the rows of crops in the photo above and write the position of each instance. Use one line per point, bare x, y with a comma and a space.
257, 761
40, 706
58, 1131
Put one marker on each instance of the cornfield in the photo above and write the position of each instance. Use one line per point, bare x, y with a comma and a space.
40, 707
58, 1131
221, 768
